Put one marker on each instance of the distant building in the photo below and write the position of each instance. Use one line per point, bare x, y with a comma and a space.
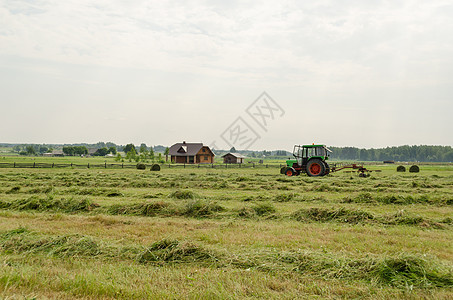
233, 158
92, 151
54, 153
191, 153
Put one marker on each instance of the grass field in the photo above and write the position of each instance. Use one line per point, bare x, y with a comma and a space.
225, 233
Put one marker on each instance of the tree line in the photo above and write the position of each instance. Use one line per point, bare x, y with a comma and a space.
422, 153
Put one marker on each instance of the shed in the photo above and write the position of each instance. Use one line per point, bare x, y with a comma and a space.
233, 158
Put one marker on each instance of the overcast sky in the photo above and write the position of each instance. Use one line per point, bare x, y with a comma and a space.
343, 73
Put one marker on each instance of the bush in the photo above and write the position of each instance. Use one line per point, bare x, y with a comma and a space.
155, 167
141, 166
401, 169
414, 169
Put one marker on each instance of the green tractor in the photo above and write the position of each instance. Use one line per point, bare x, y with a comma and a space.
310, 159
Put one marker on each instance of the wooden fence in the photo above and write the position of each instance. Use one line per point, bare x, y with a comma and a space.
133, 166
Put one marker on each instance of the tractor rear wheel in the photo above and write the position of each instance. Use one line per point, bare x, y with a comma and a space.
290, 172
316, 167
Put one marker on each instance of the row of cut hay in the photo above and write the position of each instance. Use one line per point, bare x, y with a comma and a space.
399, 271
202, 208
367, 197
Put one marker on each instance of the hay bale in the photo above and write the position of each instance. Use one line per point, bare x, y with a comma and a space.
155, 167
141, 166
414, 169
401, 169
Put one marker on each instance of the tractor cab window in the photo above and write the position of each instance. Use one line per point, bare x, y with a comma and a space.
316, 151
320, 151
311, 152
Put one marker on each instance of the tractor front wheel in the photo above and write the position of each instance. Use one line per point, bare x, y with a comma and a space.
316, 167
290, 172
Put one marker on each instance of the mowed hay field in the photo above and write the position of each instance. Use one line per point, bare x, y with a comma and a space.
225, 233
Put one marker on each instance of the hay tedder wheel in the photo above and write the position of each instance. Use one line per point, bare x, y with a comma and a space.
316, 167
326, 165
283, 170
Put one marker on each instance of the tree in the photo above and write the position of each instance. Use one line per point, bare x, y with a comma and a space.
233, 150
112, 150
17, 148
151, 154
129, 147
131, 154
118, 157
68, 150
167, 150
143, 148
80, 150
30, 150
42, 149
101, 152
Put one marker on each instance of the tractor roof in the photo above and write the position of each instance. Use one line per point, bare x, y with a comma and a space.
317, 146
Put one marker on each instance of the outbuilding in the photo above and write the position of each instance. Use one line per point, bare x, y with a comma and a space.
233, 158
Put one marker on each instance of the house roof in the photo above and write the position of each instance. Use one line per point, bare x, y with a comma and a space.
237, 155
185, 149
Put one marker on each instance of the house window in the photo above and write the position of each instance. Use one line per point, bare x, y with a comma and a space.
205, 157
204, 150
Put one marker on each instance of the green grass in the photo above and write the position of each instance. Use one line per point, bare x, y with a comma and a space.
225, 233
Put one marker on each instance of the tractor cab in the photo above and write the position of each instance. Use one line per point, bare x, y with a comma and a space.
310, 159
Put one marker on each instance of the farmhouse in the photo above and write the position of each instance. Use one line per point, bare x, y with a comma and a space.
191, 153
233, 158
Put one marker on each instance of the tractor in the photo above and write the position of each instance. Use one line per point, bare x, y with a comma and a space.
310, 159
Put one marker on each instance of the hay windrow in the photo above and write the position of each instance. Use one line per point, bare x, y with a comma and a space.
398, 271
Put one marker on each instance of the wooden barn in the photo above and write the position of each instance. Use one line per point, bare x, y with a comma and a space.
191, 153
233, 158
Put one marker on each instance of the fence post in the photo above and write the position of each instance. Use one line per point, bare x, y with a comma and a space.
122, 165
34, 164
52, 165
184, 165
87, 165
14, 164
212, 166
106, 165
71, 165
